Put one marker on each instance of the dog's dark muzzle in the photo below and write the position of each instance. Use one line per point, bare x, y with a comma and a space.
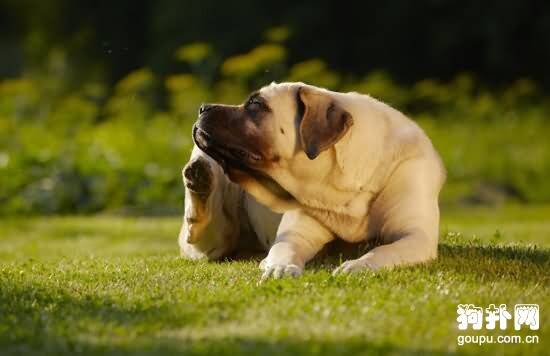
223, 153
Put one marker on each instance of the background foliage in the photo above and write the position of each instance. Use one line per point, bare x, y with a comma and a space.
97, 98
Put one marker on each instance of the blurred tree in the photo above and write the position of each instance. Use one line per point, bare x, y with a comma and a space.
497, 41
100, 39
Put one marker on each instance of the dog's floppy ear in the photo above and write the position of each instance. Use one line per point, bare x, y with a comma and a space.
324, 122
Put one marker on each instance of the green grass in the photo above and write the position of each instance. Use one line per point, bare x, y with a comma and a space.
115, 285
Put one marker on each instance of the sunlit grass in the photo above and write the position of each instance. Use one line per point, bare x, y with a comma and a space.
115, 285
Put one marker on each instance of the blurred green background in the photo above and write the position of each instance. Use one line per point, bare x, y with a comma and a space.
97, 98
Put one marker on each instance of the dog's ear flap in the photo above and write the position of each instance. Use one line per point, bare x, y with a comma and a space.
324, 122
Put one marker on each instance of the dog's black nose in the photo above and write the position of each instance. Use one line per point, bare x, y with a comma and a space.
204, 108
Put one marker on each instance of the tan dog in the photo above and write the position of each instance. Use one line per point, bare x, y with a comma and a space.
335, 165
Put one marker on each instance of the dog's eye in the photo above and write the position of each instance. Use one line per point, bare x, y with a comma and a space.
253, 104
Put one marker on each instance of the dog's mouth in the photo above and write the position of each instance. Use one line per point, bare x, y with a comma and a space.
234, 157
226, 155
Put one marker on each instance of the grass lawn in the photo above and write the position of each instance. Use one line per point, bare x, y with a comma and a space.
115, 285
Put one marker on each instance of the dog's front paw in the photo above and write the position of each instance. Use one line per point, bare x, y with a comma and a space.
277, 271
198, 176
351, 266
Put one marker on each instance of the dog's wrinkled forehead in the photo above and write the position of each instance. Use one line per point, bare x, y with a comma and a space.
281, 98
279, 94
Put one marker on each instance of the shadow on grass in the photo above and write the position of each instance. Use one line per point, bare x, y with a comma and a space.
522, 264
488, 262
35, 318
216, 346
39, 321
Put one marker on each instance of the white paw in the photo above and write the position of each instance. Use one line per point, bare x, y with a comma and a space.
353, 266
277, 271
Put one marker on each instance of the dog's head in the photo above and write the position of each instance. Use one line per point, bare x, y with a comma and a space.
279, 137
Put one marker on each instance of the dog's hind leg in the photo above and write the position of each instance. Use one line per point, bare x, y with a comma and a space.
198, 178
210, 224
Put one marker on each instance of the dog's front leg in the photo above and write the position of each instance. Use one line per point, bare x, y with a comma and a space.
409, 212
415, 246
299, 238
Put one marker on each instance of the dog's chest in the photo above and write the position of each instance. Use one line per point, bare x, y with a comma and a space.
349, 221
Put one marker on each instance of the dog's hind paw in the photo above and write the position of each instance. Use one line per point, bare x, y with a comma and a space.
198, 176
